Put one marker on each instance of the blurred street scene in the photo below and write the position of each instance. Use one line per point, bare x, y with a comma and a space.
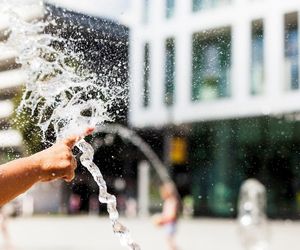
210, 95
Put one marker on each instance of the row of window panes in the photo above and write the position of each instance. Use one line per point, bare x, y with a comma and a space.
211, 65
208, 4
292, 51
171, 6
291, 55
169, 73
212, 62
146, 72
211, 68
257, 58
170, 9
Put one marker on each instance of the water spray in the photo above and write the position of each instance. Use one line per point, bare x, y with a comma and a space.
65, 96
253, 223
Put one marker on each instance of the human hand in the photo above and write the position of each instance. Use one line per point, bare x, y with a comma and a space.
58, 161
157, 219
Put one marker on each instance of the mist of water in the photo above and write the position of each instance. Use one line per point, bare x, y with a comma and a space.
66, 97
253, 223
131, 136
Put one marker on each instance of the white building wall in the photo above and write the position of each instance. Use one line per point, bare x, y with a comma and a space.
12, 77
45, 197
238, 16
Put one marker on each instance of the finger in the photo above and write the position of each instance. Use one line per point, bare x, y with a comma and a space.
89, 131
66, 179
69, 177
71, 141
74, 163
47, 180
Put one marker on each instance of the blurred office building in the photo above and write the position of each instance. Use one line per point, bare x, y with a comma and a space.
217, 82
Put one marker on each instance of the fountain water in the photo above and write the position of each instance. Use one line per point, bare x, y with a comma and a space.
252, 217
131, 136
65, 96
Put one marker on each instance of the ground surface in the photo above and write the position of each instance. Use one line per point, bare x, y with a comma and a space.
94, 233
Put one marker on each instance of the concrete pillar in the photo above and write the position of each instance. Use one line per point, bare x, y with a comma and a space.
274, 54
143, 188
241, 54
183, 83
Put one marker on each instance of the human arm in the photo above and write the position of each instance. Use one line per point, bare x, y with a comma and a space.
165, 219
170, 213
18, 176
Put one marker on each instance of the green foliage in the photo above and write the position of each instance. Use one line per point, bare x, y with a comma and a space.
25, 122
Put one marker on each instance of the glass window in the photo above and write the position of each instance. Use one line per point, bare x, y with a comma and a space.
211, 65
207, 4
170, 10
146, 11
170, 71
146, 80
291, 51
257, 58
197, 5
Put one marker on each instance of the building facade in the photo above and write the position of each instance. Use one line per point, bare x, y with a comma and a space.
223, 75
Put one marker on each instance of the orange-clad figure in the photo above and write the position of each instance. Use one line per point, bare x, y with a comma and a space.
170, 213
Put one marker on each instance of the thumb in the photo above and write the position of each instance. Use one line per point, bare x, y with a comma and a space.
89, 131
71, 141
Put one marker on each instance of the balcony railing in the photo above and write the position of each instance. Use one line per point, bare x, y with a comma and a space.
6, 109
10, 138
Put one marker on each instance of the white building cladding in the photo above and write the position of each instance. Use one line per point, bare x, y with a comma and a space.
235, 58
11, 76
43, 197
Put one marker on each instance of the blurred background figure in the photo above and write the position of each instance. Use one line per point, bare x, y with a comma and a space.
94, 205
4, 229
131, 208
188, 206
252, 217
74, 204
169, 216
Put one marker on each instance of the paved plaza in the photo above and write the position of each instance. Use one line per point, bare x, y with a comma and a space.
91, 233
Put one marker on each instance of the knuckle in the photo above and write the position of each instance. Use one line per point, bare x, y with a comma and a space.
64, 148
65, 164
60, 146
67, 156
71, 176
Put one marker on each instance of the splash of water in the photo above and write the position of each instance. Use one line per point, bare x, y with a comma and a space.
253, 223
120, 230
65, 96
62, 93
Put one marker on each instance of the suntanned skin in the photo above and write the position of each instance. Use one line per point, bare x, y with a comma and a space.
56, 162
